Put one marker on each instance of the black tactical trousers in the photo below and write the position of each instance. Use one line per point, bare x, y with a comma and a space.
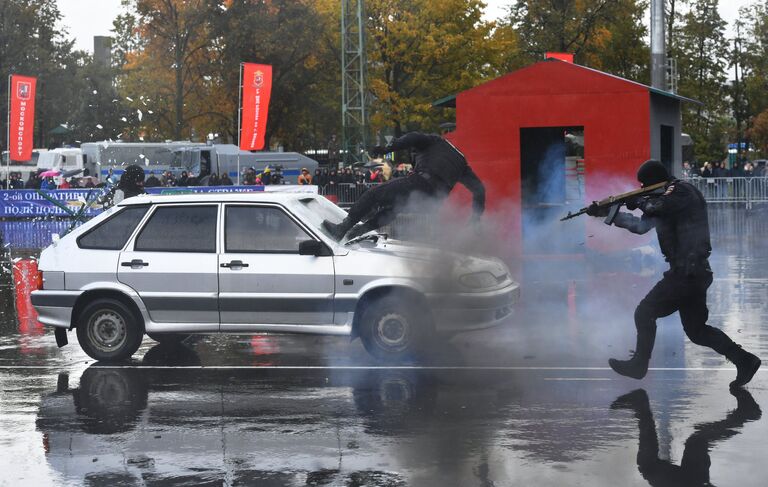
380, 204
688, 295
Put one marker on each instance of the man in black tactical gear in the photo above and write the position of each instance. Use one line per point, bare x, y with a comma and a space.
438, 166
131, 183
680, 218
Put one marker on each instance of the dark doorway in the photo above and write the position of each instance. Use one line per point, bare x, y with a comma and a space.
542, 165
551, 173
667, 145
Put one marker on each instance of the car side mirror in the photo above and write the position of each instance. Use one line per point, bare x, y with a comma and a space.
310, 247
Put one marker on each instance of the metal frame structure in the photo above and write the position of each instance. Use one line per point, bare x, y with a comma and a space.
736, 190
658, 47
354, 113
672, 75
8, 136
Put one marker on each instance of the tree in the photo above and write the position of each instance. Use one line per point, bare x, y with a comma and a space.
30, 44
618, 46
164, 45
293, 36
100, 113
672, 16
703, 54
759, 132
419, 51
753, 59
603, 34
740, 103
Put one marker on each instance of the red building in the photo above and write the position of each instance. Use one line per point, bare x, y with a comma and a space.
554, 136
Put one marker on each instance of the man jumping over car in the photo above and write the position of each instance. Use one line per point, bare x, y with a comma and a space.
438, 166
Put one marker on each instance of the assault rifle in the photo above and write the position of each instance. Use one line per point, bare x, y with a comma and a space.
615, 202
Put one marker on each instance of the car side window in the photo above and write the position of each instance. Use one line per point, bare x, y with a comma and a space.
179, 229
261, 229
115, 231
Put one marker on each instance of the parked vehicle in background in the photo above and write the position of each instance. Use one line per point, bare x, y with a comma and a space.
199, 159
173, 265
64, 159
25, 168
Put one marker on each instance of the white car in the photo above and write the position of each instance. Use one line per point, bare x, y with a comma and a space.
173, 265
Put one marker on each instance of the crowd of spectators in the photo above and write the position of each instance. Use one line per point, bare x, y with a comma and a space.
746, 169
167, 180
37, 181
361, 175
162, 179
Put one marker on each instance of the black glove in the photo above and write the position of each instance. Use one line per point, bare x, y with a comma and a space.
599, 211
634, 203
378, 151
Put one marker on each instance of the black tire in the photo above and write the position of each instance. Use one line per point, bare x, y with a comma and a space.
168, 338
110, 400
393, 328
108, 330
170, 354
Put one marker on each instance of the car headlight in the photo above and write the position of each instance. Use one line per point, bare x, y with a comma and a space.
478, 280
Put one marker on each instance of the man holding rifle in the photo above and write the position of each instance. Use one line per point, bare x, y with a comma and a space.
679, 214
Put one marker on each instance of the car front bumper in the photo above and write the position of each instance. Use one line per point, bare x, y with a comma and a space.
458, 312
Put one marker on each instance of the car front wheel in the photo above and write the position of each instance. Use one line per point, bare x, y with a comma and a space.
107, 330
393, 328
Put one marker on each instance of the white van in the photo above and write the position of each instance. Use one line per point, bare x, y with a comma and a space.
61, 160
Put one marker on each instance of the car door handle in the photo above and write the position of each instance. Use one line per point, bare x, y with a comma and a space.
235, 264
135, 264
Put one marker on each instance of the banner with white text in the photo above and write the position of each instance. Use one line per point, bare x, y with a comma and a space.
21, 117
256, 89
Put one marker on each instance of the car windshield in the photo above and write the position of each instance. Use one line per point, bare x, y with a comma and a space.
315, 210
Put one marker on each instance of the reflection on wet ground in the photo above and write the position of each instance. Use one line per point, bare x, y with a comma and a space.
531, 403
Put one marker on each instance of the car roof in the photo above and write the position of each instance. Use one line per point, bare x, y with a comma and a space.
217, 197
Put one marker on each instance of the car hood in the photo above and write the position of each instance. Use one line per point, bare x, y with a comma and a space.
435, 258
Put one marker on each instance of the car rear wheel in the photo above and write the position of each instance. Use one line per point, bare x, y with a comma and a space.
107, 330
168, 338
393, 328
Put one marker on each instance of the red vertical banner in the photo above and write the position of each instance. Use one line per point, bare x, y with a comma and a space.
21, 117
256, 88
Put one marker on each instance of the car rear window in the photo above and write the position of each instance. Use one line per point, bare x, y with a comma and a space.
261, 229
115, 231
179, 229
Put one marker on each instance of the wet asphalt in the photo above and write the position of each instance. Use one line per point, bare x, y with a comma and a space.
529, 403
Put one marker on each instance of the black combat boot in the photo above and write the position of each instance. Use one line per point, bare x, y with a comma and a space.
636, 400
338, 230
746, 365
361, 229
637, 366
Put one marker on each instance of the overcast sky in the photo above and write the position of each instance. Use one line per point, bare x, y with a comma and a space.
84, 19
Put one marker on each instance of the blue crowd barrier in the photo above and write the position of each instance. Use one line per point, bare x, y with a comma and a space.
30, 234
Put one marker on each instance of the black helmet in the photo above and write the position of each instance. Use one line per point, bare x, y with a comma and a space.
652, 172
132, 177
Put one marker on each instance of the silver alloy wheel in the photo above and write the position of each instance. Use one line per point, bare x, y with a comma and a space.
107, 330
393, 331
